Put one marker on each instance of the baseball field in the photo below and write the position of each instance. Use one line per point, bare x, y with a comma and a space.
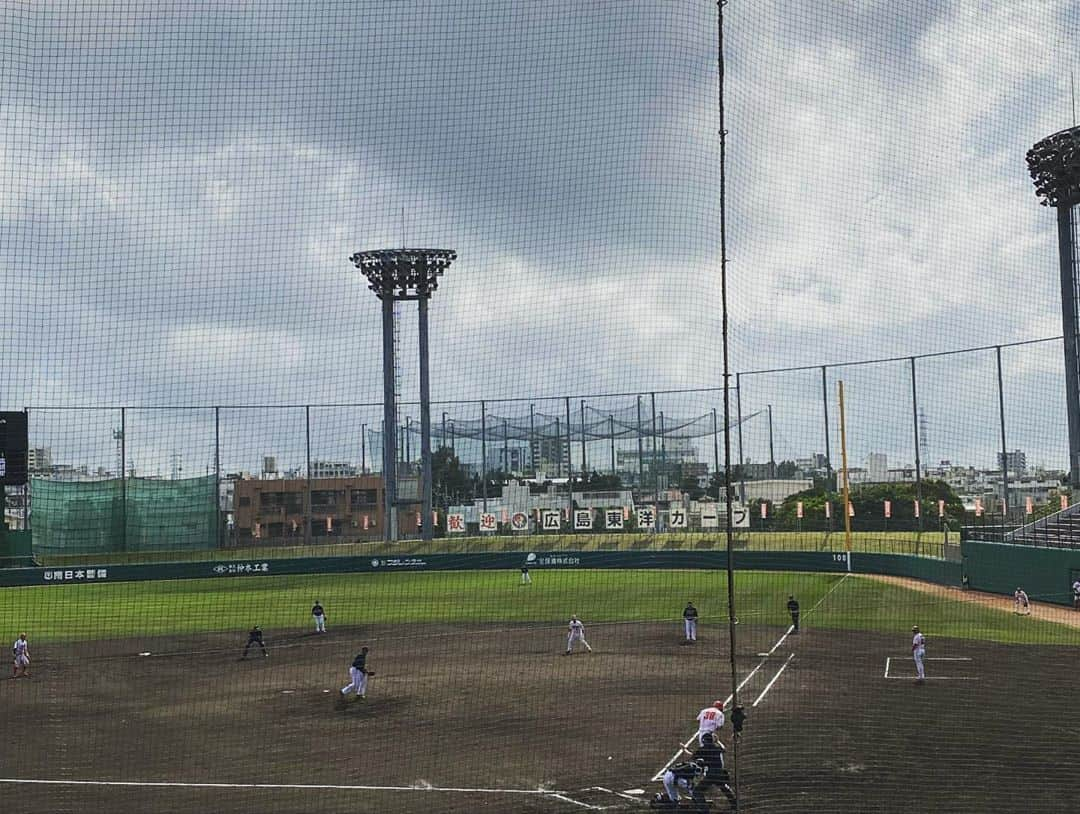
138, 701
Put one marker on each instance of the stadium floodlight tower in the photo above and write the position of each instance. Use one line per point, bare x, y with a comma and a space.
1054, 164
404, 274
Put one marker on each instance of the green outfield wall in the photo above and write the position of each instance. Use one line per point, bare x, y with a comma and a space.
16, 548
817, 561
1046, 574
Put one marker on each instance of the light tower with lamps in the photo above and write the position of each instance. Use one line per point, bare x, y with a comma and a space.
404, 274
1054, 164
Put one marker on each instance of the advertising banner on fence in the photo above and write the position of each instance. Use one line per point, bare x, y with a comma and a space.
613, 519
551, 520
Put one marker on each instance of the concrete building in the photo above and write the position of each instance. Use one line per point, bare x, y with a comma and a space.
39, 460
512, 459
279, 511
1015, 461
549, 455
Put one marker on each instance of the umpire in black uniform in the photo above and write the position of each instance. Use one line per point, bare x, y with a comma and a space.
711, 755
793, 609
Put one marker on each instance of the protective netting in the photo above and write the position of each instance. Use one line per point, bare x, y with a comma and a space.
182, 189
92, 517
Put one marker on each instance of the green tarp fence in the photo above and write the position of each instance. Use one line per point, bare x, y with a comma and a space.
91, 517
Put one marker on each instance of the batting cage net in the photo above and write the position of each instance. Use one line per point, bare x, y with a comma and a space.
539, 407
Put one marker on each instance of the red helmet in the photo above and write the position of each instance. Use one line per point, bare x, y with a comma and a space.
718, 704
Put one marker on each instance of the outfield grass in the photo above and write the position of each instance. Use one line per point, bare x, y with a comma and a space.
282, 604
927, 543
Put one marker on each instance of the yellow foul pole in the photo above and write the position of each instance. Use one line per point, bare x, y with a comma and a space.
843, 460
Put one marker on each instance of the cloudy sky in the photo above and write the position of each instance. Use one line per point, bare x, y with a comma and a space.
181, 185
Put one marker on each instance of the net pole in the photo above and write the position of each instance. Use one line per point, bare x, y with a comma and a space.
123, 479
729, 491
1004, 447
847, 488
219, 527
918, 457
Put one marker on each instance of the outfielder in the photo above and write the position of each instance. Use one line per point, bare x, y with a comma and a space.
918, 652
709, 720
358, 675
319, 615
689, 616
20, 651
1023, 605
577, 633
1076, 594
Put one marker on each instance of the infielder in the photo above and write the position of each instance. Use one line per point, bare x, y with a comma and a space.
20, 651
709, 720
525, 578
793, 609
319, 615
255, 636
918, 652
689, 616
1023, 605
358, 675
576, 633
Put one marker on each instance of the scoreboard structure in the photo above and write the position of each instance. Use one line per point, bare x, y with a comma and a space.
14, 448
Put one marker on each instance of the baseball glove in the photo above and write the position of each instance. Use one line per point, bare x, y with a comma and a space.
369, 673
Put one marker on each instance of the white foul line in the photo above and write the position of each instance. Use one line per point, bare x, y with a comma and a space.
769, 685
888, 661
293, 786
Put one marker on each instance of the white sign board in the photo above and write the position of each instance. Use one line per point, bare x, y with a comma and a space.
646, 518
550, 520
582, 520
488, 522
455, 523
677, 517
613, 519
519, 521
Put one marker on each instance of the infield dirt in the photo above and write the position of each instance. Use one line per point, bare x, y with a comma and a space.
502, 708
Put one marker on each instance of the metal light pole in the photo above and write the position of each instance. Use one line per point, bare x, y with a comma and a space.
1054, 164
404, 274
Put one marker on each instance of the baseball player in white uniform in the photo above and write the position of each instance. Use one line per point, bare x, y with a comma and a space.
918, 651
1076, 594
1023, 605
709, 720
576, 634
21, 654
